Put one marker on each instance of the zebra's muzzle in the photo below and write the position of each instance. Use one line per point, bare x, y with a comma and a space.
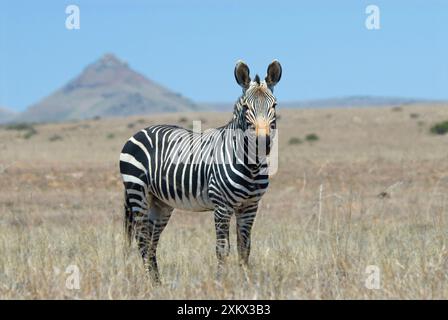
262, 128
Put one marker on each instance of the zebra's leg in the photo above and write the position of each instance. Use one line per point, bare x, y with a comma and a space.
128, 222
149, 226
222, 222
244, 221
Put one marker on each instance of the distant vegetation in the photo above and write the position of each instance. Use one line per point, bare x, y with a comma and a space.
23, 126
29, 133
311, 137
295, 140
440, 128
55, 137
183, 119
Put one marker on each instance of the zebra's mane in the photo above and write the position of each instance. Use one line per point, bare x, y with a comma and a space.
257, 87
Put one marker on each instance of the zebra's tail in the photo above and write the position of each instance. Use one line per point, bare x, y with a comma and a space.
128, 221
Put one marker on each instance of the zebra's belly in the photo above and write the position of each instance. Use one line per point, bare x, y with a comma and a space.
200, 202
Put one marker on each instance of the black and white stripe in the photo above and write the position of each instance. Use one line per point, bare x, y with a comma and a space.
224, 169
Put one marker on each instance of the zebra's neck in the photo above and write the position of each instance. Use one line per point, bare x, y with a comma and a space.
237, 121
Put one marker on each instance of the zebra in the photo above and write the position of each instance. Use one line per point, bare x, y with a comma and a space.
224, 170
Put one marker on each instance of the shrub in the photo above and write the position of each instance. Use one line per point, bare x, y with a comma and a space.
414, 115
29, 133
295, 140
110, 136
55, 137
183, 119
440, 128
131, 125
21, 126
311, 137
397, 109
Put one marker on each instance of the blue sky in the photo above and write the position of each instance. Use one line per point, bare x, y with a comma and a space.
192, 46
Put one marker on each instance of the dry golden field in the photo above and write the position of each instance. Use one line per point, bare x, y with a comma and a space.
373, 190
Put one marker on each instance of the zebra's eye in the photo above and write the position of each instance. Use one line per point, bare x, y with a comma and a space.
273, 125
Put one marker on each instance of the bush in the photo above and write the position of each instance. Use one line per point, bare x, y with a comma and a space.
414, 115
311, 137
295, 140
183, 120
111, 136
131, 125
22, 126
440, 128
55, 137
29, 133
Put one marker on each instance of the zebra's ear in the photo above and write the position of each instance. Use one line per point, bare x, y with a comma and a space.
242, 76
274, 74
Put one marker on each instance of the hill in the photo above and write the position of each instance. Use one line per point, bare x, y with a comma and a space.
107, 88
6, 115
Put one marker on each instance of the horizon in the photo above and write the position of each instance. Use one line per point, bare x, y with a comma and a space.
332, 56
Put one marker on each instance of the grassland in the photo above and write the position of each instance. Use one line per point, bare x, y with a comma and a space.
371, 190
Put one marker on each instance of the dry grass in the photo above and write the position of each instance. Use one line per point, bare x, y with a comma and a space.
383, 202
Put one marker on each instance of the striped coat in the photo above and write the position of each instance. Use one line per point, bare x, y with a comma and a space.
224, 170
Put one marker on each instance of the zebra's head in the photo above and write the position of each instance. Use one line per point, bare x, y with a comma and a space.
255, 110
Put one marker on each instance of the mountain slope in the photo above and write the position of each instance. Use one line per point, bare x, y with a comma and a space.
107, 88
6, 115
